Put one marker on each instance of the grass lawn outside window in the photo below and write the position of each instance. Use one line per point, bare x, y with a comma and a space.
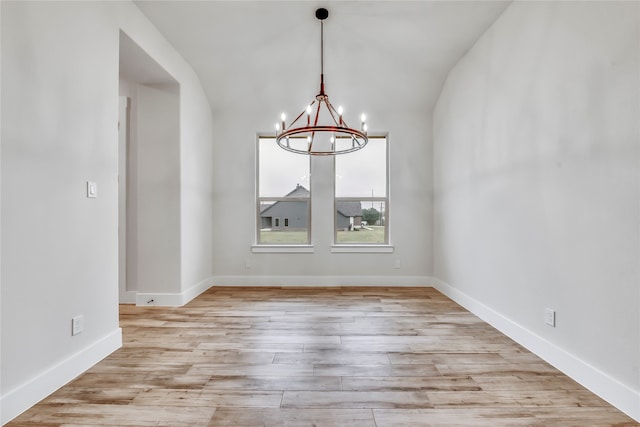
371, 234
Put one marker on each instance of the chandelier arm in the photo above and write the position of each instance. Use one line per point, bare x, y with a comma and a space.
300, 115
315, 122
332, 111
297, 118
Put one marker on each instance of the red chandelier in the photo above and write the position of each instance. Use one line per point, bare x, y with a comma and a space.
323, 132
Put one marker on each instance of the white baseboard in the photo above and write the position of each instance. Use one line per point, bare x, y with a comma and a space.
196, 290
180, 299
128, 297
613, 391
173, 299
21, 398
310, 281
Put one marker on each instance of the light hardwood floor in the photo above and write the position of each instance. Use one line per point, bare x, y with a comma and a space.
319, 357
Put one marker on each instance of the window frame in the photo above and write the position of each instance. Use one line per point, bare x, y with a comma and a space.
260, 246
363, 246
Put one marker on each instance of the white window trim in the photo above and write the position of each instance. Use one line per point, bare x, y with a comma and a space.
283, 249
258, 247
364, 247
350, 248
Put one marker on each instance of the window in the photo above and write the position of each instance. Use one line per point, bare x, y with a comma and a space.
283, 193
361, 195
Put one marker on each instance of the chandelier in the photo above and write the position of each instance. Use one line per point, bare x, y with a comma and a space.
320, 129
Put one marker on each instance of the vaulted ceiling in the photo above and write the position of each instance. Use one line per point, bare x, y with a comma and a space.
265, 55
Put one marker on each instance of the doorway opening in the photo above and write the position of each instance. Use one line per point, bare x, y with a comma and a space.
148, 174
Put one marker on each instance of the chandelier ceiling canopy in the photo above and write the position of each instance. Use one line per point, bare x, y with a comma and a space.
320, 129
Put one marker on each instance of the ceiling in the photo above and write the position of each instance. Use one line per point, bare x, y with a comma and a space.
265, 55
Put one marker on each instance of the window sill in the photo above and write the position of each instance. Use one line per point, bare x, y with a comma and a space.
283, 249
341, 249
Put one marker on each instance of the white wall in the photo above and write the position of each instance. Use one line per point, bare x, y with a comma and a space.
195, 154
157, 192
536, 140
410, 209
153, 248
196, 186
60, 249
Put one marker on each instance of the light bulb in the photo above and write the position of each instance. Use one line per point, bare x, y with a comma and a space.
340, 109
363, 117
364, 127
277, 127
308, 109
283, 116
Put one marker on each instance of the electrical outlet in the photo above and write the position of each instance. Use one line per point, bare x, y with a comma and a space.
397, 264
550, 317
77, 325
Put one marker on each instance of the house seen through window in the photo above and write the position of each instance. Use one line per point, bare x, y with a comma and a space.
361, 201
283, 195
361, 195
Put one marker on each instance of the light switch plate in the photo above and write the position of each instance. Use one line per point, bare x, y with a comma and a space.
92, 190
77, 325
550, 317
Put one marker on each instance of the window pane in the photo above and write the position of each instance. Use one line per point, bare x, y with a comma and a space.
363, 173
284, 222
361, 221
279, 170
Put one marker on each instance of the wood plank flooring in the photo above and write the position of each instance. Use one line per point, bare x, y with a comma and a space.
370, 357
